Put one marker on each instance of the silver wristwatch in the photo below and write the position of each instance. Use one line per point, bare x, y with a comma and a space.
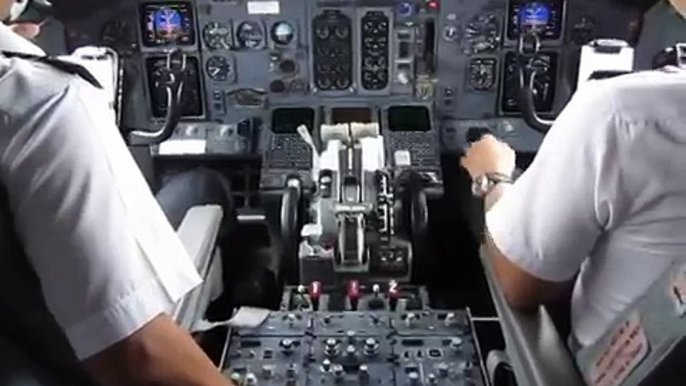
484, 184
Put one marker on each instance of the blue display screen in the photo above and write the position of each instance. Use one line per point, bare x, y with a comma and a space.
168, 24
534, 15
543, 16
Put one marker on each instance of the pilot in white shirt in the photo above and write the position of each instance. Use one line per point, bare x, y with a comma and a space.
605, 198
109, 264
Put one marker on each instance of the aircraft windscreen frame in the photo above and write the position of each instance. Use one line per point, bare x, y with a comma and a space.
180, 30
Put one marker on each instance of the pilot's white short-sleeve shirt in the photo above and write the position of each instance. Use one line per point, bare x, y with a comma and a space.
606, 196
107, 259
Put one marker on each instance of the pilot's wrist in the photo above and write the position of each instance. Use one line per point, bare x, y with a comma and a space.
483, 185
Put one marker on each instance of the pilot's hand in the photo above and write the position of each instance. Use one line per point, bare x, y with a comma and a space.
489, 155
26, 30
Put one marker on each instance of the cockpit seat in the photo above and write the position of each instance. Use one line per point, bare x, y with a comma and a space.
30, 362
647, 344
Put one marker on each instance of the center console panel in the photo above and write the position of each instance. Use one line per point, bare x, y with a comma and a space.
363, 347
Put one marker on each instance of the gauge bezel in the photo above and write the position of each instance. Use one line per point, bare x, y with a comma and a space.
228, 38
272, 33
240, 45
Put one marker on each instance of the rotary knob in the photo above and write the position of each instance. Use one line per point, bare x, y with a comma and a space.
456, 343
250, 380
442, 370
450, 320
331, 347
363, 374
267, 371
291, 371
450, 33
351, 336
338, 372
410, 319
414, 378
350, 351
291, 318
371, 347
287, 345
326, 365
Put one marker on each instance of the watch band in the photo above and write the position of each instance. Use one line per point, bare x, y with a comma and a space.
484, 184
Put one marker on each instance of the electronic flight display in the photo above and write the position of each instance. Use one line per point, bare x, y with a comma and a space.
167, 24
543, 16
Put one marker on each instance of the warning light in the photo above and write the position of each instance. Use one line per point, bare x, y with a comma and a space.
433, 5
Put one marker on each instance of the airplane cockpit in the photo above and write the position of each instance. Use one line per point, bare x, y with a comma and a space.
356, 254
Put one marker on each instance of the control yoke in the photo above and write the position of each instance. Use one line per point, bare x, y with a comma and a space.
531, 27
171, 79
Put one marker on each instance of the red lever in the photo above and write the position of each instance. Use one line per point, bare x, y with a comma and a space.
315, 293
353, 293
315, 290
393, 295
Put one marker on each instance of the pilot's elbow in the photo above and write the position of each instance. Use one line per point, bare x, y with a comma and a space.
521, 300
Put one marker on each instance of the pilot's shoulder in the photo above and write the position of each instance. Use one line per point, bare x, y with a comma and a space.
644, 88
25, 84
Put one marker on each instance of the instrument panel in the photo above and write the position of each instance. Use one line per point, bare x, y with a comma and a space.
457, 59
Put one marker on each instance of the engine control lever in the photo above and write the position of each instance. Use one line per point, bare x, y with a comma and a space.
315, 294
393, 295
354, 294
171, 79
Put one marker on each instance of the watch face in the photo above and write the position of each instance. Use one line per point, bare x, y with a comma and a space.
480, 186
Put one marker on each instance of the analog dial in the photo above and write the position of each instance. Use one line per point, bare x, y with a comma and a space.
482, 34
283, 33
217, 36
250, 35
218, 68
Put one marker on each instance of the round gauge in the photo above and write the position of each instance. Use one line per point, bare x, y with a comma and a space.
277, 86
534, 16
218, 68
250, 34
482, 74
283, 33
118, 36
342, 32
217, 36
482, 34
288, 67
323, 32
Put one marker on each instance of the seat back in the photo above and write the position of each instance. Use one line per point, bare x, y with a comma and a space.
646, 345
32, 344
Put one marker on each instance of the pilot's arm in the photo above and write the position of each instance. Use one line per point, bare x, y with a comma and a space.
109, 263
541, 229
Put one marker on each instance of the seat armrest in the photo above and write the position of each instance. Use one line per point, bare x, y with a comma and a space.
537, 353
198, 233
